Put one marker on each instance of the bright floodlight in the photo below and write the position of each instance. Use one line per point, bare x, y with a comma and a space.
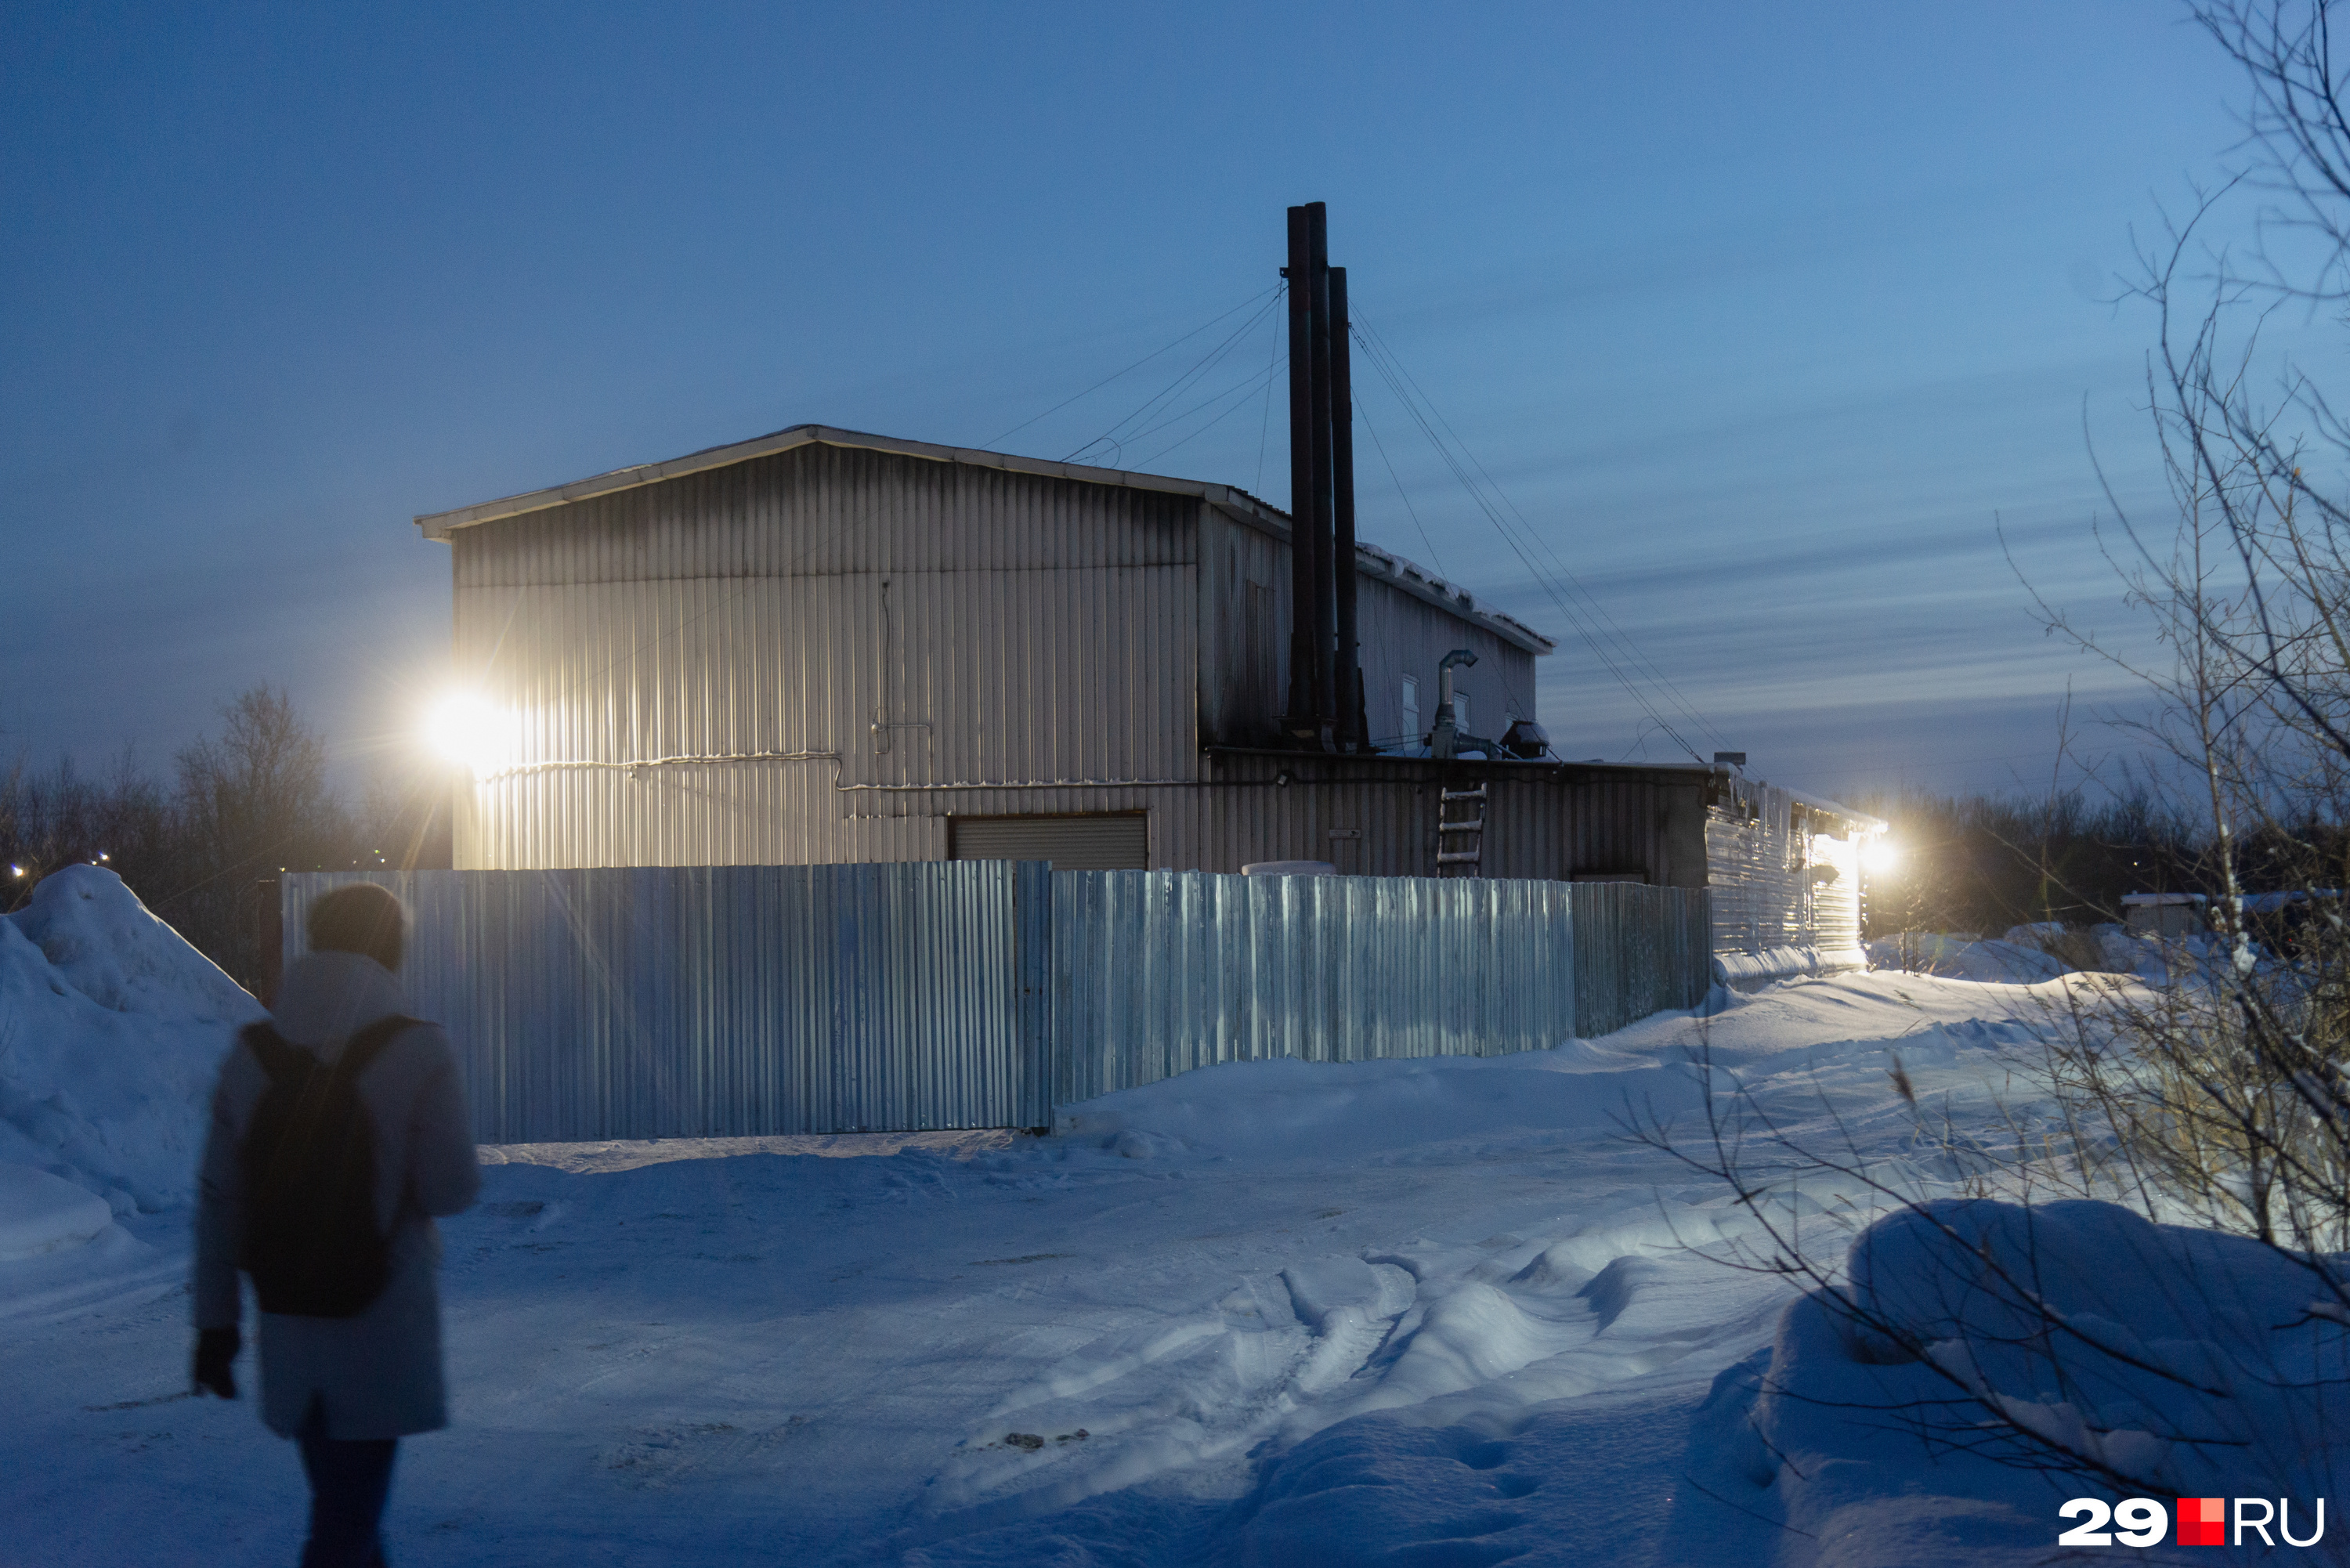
466, 727
1882, 858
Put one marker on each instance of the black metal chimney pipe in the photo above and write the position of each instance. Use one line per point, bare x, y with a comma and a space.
1326, 576
1305, 529
1347, 681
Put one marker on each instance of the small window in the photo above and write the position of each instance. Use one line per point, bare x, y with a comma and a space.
1460, 713
1411, 708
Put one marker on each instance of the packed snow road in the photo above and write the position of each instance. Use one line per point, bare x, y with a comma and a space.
1271, 1312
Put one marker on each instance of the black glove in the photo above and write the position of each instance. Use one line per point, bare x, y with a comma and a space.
215, 1348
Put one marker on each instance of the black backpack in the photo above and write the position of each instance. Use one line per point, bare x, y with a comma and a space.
311, 1242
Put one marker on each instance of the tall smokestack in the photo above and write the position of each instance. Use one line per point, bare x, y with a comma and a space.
1306, 659
1347, 677
1325, 585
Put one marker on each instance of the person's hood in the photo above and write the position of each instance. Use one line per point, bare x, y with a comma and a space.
325, 998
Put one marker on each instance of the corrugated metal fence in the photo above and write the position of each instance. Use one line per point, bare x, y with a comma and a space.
1156, 973
718, 1001
736, 999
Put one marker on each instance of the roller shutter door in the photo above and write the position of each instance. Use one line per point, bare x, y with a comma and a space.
1109, 841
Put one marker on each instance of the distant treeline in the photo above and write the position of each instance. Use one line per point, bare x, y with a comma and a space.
237, 807
1984, 863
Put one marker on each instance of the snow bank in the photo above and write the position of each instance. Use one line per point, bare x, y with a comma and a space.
1744, 971
111, 1028
41, 1213
1288, 1109
1838, 1433
2016, 959
2021, 956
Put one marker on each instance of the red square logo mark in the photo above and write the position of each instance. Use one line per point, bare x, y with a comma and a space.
2202, 1522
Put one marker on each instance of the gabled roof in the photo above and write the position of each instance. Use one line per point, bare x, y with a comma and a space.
1231, 500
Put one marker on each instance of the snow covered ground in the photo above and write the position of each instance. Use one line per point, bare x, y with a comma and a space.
1427, 1313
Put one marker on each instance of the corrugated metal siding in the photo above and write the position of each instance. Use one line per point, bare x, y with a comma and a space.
1545, 823
729, 1000
793, 811
1401, 635
876, 629
1099, 842
1762, 845
1156, 973
918, 623
1244, 647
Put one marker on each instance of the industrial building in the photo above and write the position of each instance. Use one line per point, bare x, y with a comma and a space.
821, 646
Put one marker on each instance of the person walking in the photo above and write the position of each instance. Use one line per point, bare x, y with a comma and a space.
339, 1132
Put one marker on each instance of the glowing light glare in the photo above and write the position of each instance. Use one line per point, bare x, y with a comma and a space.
466, 727
16, 870
1881, 858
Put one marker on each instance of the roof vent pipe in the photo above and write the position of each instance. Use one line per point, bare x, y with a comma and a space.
1444, 741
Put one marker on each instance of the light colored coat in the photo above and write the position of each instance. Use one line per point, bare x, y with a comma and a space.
378, 1374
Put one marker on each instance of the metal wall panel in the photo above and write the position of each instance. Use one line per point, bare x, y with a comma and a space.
1378, 817
735, 1001
1763, 847
1244, 643
1156, 973
728, 1001
1117, 841
849, 623
874, 640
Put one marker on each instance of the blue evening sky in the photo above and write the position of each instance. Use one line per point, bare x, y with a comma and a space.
1764, 316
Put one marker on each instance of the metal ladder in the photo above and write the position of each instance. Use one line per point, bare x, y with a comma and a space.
1460, 839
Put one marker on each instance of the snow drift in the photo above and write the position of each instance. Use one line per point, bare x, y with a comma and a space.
1984, 1359
111, 1028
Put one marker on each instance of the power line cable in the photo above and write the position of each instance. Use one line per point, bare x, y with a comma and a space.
1401, 494
1264, 426
989, 444
1593, 607
1593, 623
1607, 622
1579, 621
1250, 384
1172, 390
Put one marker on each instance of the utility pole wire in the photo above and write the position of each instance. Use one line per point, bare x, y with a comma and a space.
1594, 610
1264, 425
989, 444
1606, 622
1391, 372
1175, 388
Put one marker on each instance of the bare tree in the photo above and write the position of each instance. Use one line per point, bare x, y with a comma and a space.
2215, 1098
118, 818
251, 803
